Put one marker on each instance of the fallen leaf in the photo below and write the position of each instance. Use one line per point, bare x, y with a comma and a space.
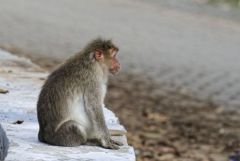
151, 135
18, 122
158, 117
3, 91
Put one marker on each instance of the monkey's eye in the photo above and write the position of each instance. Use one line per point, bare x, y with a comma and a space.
114, 54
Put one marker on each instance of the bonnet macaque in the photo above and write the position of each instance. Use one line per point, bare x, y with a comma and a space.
70, 104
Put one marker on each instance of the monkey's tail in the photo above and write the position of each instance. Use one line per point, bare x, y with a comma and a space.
40, 137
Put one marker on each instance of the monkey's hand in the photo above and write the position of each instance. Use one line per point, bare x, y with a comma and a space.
110, 143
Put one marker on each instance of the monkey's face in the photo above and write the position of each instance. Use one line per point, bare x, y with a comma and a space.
114, 63
108, 59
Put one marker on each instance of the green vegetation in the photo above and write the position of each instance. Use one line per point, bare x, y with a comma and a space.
234, 3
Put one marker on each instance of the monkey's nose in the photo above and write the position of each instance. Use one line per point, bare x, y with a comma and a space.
119, 67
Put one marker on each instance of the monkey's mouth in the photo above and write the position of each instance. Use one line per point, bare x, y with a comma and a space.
114, 71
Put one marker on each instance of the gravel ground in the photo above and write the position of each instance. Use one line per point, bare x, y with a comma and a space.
172, 125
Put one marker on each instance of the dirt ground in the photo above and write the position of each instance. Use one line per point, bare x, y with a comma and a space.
172, 125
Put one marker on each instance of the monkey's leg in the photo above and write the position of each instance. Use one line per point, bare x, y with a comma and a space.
69, 133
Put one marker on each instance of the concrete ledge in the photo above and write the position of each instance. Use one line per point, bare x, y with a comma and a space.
23, 79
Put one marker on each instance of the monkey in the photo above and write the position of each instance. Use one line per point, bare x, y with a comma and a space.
4, 144
70, 104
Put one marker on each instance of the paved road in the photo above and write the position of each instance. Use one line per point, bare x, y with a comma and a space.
185, 44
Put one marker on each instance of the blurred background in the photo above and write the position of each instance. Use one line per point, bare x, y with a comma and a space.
178, 93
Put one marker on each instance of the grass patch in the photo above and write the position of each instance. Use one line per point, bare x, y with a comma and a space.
233, 3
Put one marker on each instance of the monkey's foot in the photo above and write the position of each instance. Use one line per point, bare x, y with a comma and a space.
111, 144
117, 142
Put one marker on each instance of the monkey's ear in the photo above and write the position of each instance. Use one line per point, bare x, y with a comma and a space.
98, 55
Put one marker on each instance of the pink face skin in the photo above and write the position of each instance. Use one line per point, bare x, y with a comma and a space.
114, 63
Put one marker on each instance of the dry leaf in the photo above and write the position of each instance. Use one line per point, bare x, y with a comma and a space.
18, 122
158, 117
3, 91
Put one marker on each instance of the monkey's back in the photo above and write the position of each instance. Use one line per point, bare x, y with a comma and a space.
58, 97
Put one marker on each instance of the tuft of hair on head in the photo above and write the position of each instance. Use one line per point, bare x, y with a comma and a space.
99, 44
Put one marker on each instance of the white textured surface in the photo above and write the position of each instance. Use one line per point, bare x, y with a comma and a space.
23, 85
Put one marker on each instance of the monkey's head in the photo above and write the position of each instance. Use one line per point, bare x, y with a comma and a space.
105, 53
108, 59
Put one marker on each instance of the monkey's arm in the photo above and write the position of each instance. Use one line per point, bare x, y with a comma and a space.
93, 101
93, 106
